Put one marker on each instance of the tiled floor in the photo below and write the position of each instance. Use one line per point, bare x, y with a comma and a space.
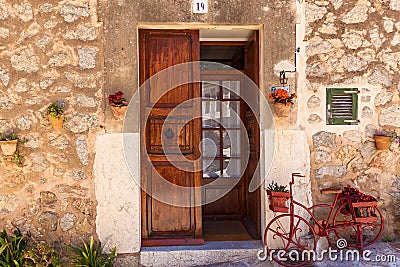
225, 231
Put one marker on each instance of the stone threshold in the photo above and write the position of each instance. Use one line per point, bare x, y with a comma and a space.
212, 253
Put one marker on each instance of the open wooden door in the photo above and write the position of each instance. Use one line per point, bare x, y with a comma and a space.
162, 223
253, 214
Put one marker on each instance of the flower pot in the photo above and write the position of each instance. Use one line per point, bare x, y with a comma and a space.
57, 123
382, 142
119, 112
9, 147
282, 109
364, 211
278, 201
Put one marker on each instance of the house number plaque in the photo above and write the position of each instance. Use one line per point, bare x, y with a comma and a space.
200, 6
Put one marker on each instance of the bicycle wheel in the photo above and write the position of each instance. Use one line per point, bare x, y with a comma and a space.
357, 234
290, 246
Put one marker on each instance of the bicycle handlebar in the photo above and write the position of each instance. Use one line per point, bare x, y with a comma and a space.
295, 174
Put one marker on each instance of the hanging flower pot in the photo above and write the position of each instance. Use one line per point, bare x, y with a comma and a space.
282, 100
118, 104
9, 147
282, 110
119, 112
56, 122
277, 201
56, 114
382, 142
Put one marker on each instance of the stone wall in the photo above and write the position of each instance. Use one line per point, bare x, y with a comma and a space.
50, 51
121, 61
353, 44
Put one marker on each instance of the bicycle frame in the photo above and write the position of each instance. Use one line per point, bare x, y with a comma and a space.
289, 240
323, 227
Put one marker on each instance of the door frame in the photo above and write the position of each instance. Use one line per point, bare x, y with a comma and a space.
196, 26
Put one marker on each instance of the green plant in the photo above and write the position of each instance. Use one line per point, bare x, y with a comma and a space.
387, 239
55, 110
8, 136
41, 255
91, 255
12, 248
17, 159
273, 186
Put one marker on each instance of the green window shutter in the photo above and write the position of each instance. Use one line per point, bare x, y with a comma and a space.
341, 106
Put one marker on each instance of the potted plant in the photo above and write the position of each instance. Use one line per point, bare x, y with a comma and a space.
384, 139
8, 143
278, 195
56, 115
362, 205
118, 104
282, 100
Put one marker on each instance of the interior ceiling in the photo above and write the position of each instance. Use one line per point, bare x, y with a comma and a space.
225, 35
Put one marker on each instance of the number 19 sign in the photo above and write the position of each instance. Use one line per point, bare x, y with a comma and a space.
200, 6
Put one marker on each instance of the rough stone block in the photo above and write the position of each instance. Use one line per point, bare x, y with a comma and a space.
358, 14
71, 12
380, 76
390, 116
323, 138
48, 220
87, 57
335, 171
314, 12
81, 150
82, 32
79, 122
25, 60
4, 76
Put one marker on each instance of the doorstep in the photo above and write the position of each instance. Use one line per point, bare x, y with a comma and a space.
211, 253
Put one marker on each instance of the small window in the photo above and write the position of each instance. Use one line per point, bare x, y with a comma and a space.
341, 106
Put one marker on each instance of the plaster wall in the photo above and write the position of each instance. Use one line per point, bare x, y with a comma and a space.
117, 193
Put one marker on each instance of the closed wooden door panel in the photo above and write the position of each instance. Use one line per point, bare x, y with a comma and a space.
164, 50
164, 217
159, 50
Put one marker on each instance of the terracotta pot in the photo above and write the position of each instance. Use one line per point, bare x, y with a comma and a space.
119, 112
9, 147
278, 201
382, 142
57, 123
282, 110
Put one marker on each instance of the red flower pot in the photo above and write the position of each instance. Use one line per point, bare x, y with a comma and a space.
278, 201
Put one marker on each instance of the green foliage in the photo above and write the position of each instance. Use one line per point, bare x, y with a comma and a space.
12, 249
91, 255
277, 188
387, 239
8, 136
17, 159
55, 110
41, 255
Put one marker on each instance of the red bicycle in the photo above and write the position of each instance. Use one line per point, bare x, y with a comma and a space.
351, 222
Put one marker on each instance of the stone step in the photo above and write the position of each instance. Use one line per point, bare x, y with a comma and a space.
227, 253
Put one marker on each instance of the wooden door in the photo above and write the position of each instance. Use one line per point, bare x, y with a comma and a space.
222, 172
160, 49
253, 205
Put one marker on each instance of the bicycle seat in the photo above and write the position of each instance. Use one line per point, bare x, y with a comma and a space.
332, 190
